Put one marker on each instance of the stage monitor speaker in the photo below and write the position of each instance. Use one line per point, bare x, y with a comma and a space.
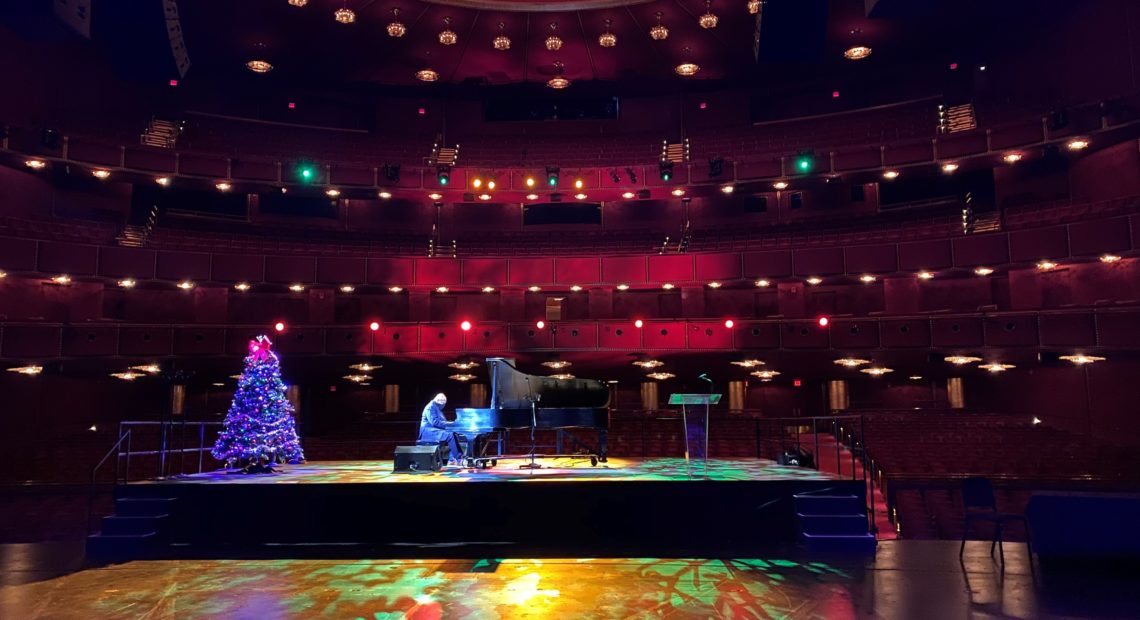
796, 458
417, 459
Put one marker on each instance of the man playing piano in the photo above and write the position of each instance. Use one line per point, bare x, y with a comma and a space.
436, 428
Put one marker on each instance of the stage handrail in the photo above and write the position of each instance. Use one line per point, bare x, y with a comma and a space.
116, 450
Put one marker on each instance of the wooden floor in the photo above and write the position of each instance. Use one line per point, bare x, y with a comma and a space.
905, 580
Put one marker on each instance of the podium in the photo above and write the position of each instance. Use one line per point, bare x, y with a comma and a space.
696, 434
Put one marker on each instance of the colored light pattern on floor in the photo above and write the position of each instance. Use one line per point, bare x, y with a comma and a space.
550, 588
562, 469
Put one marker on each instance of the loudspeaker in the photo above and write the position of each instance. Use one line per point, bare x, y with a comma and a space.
795, 457
417, 459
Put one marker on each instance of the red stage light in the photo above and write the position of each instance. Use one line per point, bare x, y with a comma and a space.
797, 383
292, 106
729, 323
638, 323
465, 326
174, 82
422, 111
374, 325
834, 94
704, 106
953, 66
279, 326
824, 321
540, 324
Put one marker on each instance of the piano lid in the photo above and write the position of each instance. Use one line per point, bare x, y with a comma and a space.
510, 389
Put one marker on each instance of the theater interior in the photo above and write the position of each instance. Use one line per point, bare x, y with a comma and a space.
741, 308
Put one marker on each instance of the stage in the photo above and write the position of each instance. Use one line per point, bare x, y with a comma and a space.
661, 507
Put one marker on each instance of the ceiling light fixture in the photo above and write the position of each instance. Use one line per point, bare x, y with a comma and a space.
762, 283
877, 371
667, 286
223, 186
27, 370
1046, 265
468, 365
347, 288
565, 376
163, 181
534, 288
461, 377
427, 74
532, 196
748, 363
728, 189
298, 2
678, 192
659, 32
553, 42
660, 376
150, 369
709, 19
867, 278
814, 281
765, 375
344, 15
357, 378
395, 27
332, 192
488, 289
996, 367
259, 66
364, 367
859, 52
753, 7
62, 279
1011, 158
949, 167
575, 288
628, 195
395, 289
687, 68
127, 283
101, 174
35, 164
435, 196
962, 360
983, 271
385, 194
580, 196
607, 38
556, 364
649, 363
622, 287
780, 185
242, 286
714, 285
925, 275
126, 376
1081, 358
297, 288
441, 289
186, 285
891, 175
1109, 258
558, 82
447, 36
851, 362
1077, 144
501, 42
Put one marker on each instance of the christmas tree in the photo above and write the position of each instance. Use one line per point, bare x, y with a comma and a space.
259, 429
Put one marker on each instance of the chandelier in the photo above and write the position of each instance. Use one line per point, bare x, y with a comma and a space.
765, 375
753, 7
607, 38
851, 362
259, 66
877, 371
298, 2
427, 75
687, 68
344, 15
501, 42
558, 82
395, 28
660, 376
553, 42
859, 52
659, 32
556, 364
447, 36
709, 19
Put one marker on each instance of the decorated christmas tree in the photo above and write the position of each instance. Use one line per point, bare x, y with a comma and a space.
259, 429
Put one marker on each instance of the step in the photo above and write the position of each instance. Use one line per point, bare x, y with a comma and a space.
863, 543
832, 524
120, 525
829, 504
144, 506
119, 546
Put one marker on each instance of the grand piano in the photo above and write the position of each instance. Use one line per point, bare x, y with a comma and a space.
558, 404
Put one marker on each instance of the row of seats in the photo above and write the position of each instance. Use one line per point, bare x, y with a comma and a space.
936, 513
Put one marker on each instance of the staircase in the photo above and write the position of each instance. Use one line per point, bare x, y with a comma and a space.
160, 133
132, 236
833, 523
134, 531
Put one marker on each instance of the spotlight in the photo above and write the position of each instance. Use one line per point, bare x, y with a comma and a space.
374, 326
639, 323
477, 183
530, 181
305, 172
729, 323
491, 184
665, 169
552, 176
279, 326
804, 163
465, 326
823, 321
540, 324
443, 174
579, 183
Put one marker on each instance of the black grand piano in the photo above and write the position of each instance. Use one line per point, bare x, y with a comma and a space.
557, 404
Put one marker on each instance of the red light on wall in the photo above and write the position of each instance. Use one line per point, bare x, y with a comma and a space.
174, 82
834, 94
824, 321
465, 326
422, 111
729, 323
797, 382
279, 326
704, 106
540, 324
374, 325
638, 323
292, 105
953, 66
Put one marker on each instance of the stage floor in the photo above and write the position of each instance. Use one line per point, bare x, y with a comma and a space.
561, 469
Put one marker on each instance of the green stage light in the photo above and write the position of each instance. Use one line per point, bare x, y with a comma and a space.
305, 172
804, 163
552, 176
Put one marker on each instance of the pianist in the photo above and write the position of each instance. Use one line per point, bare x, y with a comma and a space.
435, 427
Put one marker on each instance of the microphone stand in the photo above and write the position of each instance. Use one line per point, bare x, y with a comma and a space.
533, 398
